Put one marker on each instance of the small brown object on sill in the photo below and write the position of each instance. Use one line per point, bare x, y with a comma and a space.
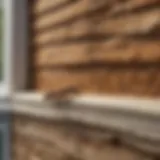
60, 97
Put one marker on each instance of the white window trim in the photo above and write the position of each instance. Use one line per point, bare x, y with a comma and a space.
15, 47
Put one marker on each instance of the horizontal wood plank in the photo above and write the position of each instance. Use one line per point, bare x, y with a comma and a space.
101, 80
72, 54
139, 23
79, 28
83, 9
41, 5
68, 12
136, 24
116, 50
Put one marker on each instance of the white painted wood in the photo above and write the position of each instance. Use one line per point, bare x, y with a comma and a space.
15, 46
29, 96
124, 103
148, 106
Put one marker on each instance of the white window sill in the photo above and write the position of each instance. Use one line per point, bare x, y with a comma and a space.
115, 103
118, 112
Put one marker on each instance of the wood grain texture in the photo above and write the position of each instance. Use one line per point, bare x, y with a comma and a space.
116, 50
83, 8
101, 80
66, 13
41, 5
97, 36
134, 24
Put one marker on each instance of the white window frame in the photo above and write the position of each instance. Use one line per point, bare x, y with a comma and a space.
15, 47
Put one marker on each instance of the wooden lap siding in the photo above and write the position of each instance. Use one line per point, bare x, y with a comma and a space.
105, 46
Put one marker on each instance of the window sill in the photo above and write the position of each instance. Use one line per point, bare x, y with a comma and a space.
135, 121
150, 107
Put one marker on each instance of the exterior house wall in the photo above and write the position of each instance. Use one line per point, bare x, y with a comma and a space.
109, 47
97, 46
